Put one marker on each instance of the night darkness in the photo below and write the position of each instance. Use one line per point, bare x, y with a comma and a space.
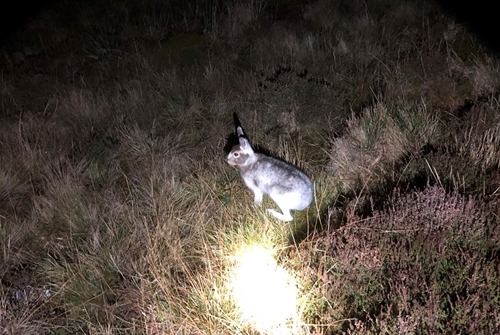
480, 16
16, 14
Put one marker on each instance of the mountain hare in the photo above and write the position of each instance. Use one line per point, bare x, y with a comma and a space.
289, 187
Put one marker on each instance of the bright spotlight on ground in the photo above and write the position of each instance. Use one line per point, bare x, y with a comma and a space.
265, 293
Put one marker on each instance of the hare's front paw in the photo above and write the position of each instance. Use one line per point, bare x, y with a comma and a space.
283, 217
257, 200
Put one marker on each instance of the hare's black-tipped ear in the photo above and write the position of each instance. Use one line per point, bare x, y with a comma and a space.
239, 131
236, 120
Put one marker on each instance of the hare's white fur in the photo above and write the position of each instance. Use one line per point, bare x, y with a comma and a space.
285, 184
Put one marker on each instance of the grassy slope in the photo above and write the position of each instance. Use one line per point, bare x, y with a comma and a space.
117, 211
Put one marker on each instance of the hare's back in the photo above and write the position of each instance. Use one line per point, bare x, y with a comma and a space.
274, 172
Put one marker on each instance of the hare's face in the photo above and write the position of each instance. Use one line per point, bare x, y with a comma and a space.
237, 157
241, 154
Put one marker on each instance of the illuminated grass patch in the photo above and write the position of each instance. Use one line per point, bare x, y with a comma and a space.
265, 294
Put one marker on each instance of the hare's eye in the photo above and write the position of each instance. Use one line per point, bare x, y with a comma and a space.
236, 154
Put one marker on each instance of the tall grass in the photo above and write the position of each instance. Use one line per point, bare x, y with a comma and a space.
119, 215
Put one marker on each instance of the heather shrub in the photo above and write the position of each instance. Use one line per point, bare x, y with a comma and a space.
417, 266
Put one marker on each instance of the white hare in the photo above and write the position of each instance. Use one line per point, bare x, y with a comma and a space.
289, 187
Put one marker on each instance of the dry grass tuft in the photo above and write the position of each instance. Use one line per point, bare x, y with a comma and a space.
374, 142
480, 140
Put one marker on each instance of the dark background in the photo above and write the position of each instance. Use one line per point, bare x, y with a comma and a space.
16, 14
480, 16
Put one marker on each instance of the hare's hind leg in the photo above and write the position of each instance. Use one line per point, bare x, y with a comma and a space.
283, 202
286, 216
